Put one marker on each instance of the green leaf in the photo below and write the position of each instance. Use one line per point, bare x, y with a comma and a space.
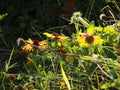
65, 77
91, 69
110, 30
87, 58
2, 16
100, 29
108, 85
19, 77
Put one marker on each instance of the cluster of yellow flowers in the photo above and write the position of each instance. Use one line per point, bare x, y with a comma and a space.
61, 42
85, 40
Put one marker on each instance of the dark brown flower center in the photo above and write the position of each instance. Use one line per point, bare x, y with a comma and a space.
56, 34
89, 39
36, 42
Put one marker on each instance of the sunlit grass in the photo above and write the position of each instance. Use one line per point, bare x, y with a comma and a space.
59, 62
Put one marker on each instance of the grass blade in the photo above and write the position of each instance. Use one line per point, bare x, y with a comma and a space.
65, 77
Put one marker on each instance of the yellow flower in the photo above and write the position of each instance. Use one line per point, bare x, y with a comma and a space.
89, 38
31, 44
57, 36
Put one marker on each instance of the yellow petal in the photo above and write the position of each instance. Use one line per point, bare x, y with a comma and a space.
62, 37
43, 42
48, 34
30, 41
28, 47
98, 40
90, 29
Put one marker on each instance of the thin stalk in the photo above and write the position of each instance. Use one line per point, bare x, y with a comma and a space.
4, 41
116, 5
9, 60
83, 21
98, 81
104, 72
7, 68
89, 10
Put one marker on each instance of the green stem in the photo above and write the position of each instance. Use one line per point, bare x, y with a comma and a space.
8, 63
104, 72
83, 21
116, 5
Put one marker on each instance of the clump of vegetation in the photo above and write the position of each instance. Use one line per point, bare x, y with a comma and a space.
88, 59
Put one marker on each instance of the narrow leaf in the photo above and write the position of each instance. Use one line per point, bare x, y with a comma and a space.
65, 77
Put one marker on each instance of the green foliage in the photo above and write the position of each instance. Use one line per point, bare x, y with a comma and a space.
2, 16
87, 59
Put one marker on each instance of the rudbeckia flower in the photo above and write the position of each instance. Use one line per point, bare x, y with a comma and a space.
88, 39
56, 36
31, 44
